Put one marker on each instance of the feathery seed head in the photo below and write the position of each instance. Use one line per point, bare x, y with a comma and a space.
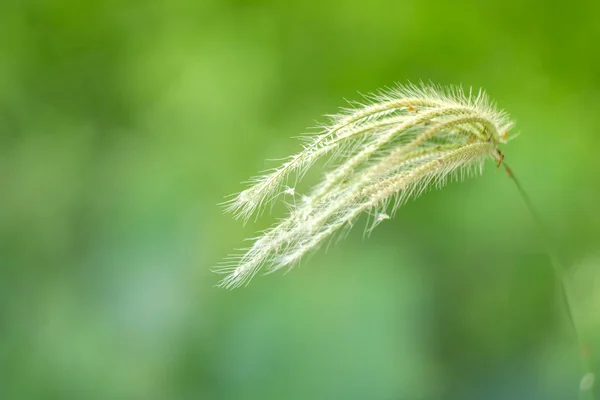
383, 153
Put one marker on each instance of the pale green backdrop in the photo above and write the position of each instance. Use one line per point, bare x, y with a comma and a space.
124, 123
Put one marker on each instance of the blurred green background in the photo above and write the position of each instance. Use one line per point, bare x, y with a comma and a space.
124, 123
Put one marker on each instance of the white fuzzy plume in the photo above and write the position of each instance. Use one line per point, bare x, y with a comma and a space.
383, 153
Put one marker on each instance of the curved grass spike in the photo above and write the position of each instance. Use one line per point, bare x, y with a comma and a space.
384, 153
390, 149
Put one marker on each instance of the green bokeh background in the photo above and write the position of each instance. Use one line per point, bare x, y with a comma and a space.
124, 123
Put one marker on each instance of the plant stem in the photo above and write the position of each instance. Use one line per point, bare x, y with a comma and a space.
587, 382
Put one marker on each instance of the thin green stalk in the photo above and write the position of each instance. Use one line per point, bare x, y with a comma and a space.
587, 382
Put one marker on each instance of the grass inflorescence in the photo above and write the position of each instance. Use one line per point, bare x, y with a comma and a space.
381, 154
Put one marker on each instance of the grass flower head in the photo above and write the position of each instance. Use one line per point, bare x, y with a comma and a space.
381, 154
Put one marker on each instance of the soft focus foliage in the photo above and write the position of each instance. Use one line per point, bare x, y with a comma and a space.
123, 124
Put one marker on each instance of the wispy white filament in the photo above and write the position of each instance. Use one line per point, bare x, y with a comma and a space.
383, 154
